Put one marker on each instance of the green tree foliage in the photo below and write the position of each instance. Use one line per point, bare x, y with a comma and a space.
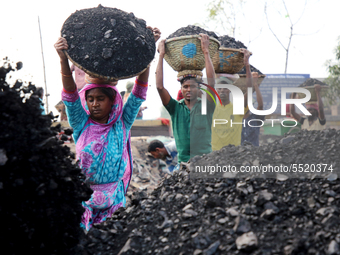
333, 80
225, 14
234, 18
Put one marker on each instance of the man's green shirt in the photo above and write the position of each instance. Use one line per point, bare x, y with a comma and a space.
192, 130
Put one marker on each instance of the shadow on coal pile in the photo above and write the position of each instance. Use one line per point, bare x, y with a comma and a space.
41, 190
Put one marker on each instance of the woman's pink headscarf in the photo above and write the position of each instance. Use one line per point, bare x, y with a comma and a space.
118, 102
92, 83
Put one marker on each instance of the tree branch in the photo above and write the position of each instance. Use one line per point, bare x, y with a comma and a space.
284, 3
303, 11
271, 30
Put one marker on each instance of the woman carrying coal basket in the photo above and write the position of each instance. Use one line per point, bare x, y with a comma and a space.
102, 135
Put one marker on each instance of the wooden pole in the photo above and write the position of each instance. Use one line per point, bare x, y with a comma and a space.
42, 53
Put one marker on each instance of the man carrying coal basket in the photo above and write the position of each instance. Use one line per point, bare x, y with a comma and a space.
317, 120
251, 134
225, 134
101, 127
191, 129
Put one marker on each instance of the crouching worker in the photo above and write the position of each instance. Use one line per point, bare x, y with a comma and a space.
101, 128
165, 152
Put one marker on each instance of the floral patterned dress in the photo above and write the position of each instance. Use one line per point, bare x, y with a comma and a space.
103, 150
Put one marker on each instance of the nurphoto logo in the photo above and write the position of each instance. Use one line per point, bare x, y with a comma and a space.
238, 100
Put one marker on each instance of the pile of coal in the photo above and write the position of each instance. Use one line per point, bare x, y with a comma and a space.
305, 147
230, 42
191, 30
109, 42
65, 133
252, 69
41, 190
312, 82
262, 215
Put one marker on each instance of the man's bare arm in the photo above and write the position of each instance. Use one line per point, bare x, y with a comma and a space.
259, 98
209, 68
292, 110
163, 93
249, 78
320, 103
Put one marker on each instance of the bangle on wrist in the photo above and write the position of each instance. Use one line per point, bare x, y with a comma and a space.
65, 75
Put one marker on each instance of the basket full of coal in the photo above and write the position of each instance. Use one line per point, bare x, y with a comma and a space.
228, 59
309, 85
108, 43
183, 50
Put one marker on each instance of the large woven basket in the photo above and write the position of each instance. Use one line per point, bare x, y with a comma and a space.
242, 82
109, 78
185, 52
313, 98
228, 60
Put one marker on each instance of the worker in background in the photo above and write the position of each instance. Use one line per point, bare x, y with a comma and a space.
317, 120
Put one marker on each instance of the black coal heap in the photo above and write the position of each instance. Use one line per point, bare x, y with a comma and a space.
41, 189
253, 215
